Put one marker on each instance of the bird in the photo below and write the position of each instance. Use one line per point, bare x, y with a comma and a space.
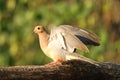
63, 41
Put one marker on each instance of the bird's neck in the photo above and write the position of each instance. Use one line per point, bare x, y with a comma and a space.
43, 40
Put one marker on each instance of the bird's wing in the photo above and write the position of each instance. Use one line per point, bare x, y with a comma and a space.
86, 37
58, 38
66, 40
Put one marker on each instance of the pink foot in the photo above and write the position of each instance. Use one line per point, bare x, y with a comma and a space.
53, 63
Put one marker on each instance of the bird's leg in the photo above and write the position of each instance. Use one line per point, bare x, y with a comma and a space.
53, 63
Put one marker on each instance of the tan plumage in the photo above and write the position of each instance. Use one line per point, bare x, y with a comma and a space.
61, 43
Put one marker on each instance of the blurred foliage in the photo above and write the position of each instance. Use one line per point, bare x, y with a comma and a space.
18, 46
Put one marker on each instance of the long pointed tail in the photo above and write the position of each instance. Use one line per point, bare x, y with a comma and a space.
80, 57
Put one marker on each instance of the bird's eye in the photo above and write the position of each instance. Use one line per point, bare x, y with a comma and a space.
38, 28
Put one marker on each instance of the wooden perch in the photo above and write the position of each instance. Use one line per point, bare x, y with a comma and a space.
69, 70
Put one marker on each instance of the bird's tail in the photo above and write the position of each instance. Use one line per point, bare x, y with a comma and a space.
80, 57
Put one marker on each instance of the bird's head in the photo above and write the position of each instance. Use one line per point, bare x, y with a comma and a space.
38, 29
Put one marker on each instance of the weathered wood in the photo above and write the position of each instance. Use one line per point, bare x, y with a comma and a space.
69, 70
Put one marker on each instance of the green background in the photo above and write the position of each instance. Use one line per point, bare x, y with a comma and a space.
18, 46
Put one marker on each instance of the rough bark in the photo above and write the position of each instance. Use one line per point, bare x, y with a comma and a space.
69, 70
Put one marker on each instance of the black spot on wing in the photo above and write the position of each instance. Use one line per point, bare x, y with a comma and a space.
87, 41
74, 50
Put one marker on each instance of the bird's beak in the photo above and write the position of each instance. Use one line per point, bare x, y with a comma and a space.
33, 31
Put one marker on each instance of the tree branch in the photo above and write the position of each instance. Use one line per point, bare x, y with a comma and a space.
69, 70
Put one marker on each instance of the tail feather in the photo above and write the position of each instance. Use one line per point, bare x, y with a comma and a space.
80, 57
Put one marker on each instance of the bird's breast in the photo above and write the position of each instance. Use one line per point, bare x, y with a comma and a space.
55, 52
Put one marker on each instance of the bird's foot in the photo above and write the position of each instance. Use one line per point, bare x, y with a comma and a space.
53, 63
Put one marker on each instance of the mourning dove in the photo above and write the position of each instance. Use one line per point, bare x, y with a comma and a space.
62, 42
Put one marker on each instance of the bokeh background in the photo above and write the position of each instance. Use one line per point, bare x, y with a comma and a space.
18, 46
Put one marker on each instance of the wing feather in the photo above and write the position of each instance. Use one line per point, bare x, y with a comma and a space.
72, 42
86, 37
67, 40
